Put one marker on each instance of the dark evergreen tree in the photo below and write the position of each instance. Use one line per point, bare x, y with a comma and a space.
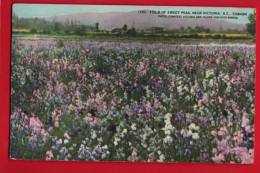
251, 26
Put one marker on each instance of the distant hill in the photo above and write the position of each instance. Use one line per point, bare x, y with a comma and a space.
110, 20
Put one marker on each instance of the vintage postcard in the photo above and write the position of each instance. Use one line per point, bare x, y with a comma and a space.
132, 83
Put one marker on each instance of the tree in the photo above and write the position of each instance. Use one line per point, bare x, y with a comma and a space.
56, 27
33, 31
207, 30
97, 26
131, 31
182, 29
250, 27
79, 30
125, 27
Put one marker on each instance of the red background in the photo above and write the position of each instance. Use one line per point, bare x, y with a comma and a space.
7, 165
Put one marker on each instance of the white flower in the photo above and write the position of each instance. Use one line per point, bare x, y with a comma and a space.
144, 145
168, 115
105, 147
93, 135
125, 95
179, 88
182, 131
187, 98
66, 141
124, 131
209, 73
167, 132
116, 141
133, 126
167, 139
59, 142
186, 88
195, 107
189, 133
161, 158
100, 139
195, 136
103, 156
253, 111
194, 127
204, 83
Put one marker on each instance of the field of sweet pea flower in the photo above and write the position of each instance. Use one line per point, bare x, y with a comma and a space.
76, 100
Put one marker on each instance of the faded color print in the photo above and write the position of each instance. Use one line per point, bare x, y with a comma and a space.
108, 89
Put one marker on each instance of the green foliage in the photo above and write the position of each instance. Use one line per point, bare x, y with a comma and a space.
45, 27
132, 31
33, 31
56, 27
97, 26
79, 30
251, 26
125, 27
46, 32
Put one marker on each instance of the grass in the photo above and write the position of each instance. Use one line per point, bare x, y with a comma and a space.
140, 39
21, 30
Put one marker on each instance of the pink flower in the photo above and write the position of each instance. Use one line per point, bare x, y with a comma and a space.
84, 69
218, 61
244, 155
49, 155
199, 103
102, 107
245, 120
66, 135
220, 100
222, 131
218, 158
148, 106
172, 85
41, 77
60, 89
37, 129
97, 122
214, 133
223, 146
248, 129
205, 100
238, 138
52, 74
35, 123
92, 121
38, 95
156, 103
230, 124
194, 88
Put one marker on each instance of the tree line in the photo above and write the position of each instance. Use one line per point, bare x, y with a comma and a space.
39, 25
74, 27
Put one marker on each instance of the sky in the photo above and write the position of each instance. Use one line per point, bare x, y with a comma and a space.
43, 10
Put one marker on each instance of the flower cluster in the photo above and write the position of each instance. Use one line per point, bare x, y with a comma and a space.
132, 102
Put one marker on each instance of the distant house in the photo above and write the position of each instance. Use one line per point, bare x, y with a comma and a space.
117, 30
155, 29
